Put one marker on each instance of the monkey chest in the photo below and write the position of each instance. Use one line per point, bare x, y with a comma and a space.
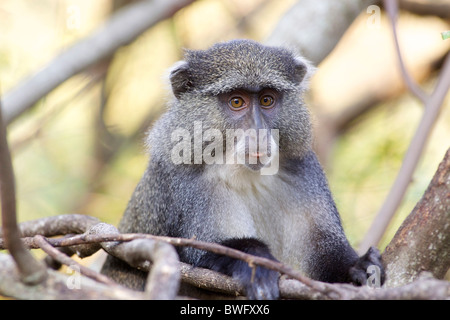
267, 208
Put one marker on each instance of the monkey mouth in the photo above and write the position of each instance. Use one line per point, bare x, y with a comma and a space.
257, 155
257, 160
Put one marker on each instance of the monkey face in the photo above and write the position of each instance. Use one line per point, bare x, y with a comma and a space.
248, 99
253, 140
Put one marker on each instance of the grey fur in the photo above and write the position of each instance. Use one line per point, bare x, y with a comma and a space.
292, 212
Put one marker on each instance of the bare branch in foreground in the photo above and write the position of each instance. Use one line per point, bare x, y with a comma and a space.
57, 286
424, 288
164, 276
95, 236
423, 240
217, 282
64, 259
30, 269
210, 280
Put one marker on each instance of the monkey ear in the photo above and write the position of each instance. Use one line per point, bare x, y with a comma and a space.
179, 78
303, 70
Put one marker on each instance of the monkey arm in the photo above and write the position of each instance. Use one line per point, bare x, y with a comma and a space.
332, 257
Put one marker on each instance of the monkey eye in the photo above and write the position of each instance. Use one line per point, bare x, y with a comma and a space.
236, 102
266, 101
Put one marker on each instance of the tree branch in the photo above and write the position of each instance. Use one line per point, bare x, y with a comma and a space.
423, 288
164, 276
423, 240
105, 237
57, 225
316, 41
391, 7
411, 158
63, 259
120, 30
56, 286
32, 272
137, 251
213, 281
108, 236
440, 8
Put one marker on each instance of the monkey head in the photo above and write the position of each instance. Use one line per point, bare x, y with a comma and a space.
251, 94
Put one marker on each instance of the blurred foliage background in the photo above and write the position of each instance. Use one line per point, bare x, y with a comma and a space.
81, 149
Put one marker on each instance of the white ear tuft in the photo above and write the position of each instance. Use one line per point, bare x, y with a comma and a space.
179, 78
305, 69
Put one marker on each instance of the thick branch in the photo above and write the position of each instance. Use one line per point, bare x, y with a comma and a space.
316, 40
164, 276
57, 225
57, 286
423, 288
120, 30
440, 8
210, 280
423, 240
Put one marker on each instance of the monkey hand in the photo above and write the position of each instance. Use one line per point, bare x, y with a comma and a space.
259, 283
368, 268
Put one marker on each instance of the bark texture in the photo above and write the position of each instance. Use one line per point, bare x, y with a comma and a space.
422, 243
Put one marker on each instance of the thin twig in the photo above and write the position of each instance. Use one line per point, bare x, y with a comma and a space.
212, 247
63, 259
410, 160
391, 7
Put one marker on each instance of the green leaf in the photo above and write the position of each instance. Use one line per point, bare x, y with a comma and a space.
445, 35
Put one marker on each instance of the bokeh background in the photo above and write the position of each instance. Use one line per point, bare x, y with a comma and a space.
81, 148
